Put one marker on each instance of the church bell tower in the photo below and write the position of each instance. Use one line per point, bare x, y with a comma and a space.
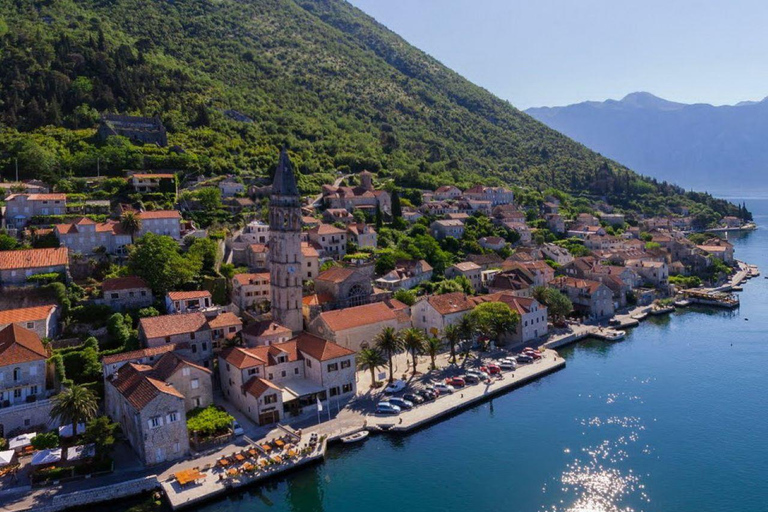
285, 247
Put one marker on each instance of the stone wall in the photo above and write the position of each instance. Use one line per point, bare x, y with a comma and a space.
100, 494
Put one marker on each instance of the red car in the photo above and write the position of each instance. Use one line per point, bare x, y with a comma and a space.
456, 382
491, 369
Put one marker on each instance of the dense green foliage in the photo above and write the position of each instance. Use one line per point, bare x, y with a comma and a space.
208, 421
343, 91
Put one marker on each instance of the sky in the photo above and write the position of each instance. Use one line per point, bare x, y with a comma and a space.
557, 52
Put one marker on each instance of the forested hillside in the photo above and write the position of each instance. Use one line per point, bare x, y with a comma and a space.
342, 91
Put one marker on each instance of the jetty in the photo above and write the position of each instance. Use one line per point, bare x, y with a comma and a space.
712, 298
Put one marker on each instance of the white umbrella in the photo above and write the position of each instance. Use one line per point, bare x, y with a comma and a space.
66, 430
21, 441
6, 457
44, 457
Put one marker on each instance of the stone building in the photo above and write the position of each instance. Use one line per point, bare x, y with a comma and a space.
249, 290
285, 247
330, 240
42, 320
144, 130
85, 236
20, 208
356, 328
345, 286
189, 328
17, 266
23, 360
271, 382
433, 313
406, 274
129, 292
187, 302
160, 222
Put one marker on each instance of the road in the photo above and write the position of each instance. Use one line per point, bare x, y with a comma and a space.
316, 201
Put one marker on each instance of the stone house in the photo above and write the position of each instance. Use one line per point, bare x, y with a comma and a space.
364, 196
522, 229
406, 274
186, 302
84, 236
230, 187
719, 248
23, 366
486, 261
447, 192
559, 255
145, 356
160, 222
265, 332
356, 327
362, 235
655, 273
193, 381
433, 313
257, 257
249, 290
555, 222
441, 229
224, 326
345, 286
494, 243
17, 266
148, 182
42, 320
330, 240
271, 382
20, 208
333, 215
189, 328
129, 292
151, 413
468, 269
591, 298
496, 196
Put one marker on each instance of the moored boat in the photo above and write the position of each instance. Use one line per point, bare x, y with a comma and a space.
356, 437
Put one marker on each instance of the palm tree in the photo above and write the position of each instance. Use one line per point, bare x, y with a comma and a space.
452, 333
131, 223
390, 344
413, 340
433, 348
466, 328
371, 359
76, 404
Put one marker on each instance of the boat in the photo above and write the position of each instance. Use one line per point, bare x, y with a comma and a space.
356, 437
614, 335
640, 316
682, 303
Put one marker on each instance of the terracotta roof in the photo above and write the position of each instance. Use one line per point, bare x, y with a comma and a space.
169, 364
571, 282
170, 325
225, 319
336, 274
20, 345
39, 197
123, 283
348, 318
159, 214
33, 258
258, 248
266, 328
241, 357
141, 354
257, 386
320, 349
12, 316
449, 303
308, 251
244, 279
327, 229
194, 294
145, 175
135, 383
466, 266
520, 304
317, 299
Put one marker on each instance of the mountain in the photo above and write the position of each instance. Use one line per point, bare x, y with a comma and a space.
698, 145
233, 80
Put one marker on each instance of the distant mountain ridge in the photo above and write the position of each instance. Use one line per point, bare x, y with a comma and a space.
695, 145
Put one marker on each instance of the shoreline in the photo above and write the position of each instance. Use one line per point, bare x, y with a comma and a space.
407, 422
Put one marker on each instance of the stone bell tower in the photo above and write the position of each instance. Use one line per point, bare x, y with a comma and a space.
285, 247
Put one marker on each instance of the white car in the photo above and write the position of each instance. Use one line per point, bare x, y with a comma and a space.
395, 387
444, 388
237, 429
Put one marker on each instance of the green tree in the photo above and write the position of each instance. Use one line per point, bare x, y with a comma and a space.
157, 260
7, 242
75, 404
493, 319
371, 359
413, 342
390, 344
210, 198
432, 348
205, 250
397, 210
101, 432
45, 441
407, 297
130, 222
452, 333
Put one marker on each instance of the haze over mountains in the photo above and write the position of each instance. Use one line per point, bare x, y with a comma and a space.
718, 148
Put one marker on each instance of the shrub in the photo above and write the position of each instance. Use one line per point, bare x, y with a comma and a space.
208, 421
90, 313
45, 441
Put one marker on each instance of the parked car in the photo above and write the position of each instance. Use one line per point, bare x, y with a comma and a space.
532, 352
402, 403
471, 378
507, 365
456, 382
491, 369
523, 358
237, 429
444, 389
395, 387
387, 408
433, 390
426, 394
414, 397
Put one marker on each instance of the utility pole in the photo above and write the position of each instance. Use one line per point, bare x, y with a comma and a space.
98, 167
16, 160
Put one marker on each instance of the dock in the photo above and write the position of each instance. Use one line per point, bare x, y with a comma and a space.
462, 398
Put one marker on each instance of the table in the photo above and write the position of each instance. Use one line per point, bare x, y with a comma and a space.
279, 443
266, 447
232, 472
239, 458
186, 476
223, 462
253, 452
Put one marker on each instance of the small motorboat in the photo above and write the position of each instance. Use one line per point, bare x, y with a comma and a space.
356, 437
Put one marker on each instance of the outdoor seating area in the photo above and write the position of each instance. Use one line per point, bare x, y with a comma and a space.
263, 456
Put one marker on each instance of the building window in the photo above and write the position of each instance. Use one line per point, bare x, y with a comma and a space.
17, 393
196, 401
205, 346
333, 367
283, 373
345, 364
155, 422
346, 388
270, 376
251, 371
334, 391
185, 371
309, 363
32, 390
295, 371
173, 417
30, 325
191, 335
16, 374
270, 399
167, 339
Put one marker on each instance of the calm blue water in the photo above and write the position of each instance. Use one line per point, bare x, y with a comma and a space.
672, 419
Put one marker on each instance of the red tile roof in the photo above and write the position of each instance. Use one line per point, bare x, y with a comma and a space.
266, 328
336, 274
349, 318
141, 354
33, 258
257, 386
520, 304
123, 283
194, 294
244, 279
449, 303
40, 197
12, 316
139, 388
20, 345
159, 214
170, 325
318, 348
225, 319
327, 229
